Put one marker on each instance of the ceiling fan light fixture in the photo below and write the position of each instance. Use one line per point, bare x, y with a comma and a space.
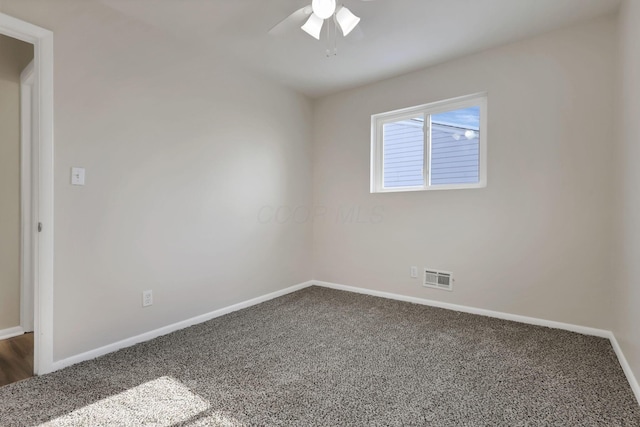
313, 26
346, 20
323, 9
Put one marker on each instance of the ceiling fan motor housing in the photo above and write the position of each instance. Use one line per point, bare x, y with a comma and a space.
323, 8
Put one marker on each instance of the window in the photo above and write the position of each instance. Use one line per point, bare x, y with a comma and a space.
438, 146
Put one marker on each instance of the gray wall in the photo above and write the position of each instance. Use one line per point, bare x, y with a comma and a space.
537, 240
182, 151
626, 210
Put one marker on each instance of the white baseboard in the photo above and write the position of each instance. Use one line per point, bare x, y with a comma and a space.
11, 332
472, 310
128, 342
92, 354
505, 316
633, 382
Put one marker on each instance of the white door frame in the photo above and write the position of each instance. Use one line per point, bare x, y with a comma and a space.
42, 41
28, 197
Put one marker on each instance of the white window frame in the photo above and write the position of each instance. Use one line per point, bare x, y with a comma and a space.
426, 110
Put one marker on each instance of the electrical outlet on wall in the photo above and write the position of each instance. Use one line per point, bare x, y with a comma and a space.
147, 298
414, 272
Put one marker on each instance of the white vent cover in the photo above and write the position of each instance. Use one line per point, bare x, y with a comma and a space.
438, 279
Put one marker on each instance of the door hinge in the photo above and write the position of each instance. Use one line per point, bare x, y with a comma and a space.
39, 227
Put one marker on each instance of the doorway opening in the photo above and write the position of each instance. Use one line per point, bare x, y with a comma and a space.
35, 197
16, 300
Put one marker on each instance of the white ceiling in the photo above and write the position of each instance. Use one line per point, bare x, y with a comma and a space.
394, 36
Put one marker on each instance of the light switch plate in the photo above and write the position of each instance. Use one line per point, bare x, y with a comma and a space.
77, 176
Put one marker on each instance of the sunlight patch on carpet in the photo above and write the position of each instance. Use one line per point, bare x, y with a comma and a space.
162, 402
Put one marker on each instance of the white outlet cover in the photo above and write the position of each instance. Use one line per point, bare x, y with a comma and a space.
414, 272
147, 298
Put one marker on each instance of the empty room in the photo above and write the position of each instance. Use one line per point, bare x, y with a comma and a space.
316, 213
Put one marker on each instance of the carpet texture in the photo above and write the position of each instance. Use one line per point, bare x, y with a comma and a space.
321, 357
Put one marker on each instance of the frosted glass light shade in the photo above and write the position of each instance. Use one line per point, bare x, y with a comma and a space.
323, 8
313, 26
347, 20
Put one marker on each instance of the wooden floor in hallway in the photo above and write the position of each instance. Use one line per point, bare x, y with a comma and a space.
16, 359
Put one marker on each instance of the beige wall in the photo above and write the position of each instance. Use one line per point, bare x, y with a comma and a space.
536, 241
627, 208
181, 150
14, 56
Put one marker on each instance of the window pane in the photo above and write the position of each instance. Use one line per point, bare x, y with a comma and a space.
403, 156
455, 147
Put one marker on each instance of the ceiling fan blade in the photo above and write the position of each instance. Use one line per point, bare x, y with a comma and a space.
292, 21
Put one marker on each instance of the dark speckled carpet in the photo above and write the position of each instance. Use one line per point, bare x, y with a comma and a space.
321, 357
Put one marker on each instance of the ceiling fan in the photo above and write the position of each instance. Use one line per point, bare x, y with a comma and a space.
316, 14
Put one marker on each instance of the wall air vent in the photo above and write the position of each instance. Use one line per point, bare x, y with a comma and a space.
438, 279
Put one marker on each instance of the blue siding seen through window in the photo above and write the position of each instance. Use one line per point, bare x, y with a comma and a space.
455, 149
403, 153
